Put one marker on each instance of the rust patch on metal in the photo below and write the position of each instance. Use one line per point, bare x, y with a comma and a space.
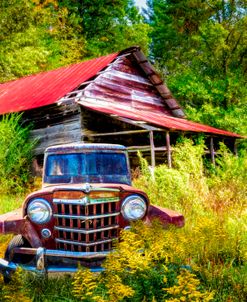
165, 216
69, 194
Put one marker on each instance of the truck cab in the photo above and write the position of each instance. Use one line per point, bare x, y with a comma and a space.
85, 200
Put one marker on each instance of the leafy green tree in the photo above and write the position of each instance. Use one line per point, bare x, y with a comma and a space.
201, 48
36, 36
109, 26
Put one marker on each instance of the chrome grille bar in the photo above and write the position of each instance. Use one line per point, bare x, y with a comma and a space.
92, 189
86, 217
84, 223
90, 200
82, 231
84, 244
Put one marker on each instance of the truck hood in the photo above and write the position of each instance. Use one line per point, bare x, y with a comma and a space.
52, 188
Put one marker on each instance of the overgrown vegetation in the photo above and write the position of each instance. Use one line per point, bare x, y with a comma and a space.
200, 47
203, 261
15, 154
40, 35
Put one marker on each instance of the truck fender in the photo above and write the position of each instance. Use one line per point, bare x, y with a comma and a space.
14, 223
165, 216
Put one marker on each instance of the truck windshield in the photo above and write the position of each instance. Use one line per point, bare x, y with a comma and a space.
93, 167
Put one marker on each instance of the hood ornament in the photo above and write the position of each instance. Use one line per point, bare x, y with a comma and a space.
86, 187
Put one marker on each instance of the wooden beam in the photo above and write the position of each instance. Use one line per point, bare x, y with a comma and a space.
135, 123
117, 133
145, 148
151, 137
235, 148
212, 150
168, 148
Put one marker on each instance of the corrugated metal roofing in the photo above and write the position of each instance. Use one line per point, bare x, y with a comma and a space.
48, 87
153, 118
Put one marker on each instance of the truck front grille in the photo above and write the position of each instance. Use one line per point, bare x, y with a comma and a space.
86, 222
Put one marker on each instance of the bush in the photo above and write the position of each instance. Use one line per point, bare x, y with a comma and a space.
214, 205
15, 154
179, 188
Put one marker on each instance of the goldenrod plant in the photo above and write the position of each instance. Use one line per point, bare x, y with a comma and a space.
145, 266
187, 289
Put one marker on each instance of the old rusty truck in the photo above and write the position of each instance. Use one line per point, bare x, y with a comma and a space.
85, 200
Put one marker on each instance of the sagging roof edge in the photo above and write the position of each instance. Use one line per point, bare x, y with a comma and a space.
188, 126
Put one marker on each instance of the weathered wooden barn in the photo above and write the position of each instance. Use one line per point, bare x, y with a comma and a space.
118, 98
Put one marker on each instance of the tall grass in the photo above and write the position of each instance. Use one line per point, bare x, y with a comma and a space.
10, 202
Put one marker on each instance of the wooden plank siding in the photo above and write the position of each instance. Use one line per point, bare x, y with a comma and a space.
54, 125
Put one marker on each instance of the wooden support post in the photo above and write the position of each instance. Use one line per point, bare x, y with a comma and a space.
212, 150
168, 148
235, 148
151, 137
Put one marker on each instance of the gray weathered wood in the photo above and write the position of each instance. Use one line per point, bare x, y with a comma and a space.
212, 150
235, 148
116, 133
145, 148
152, 148
55, 129
168, 148
68, 132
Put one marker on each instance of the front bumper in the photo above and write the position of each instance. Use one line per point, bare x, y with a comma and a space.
41, 264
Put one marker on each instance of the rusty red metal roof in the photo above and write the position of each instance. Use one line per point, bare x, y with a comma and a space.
46, 88
156, 118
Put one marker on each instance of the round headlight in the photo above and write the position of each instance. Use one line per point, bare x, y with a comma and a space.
39, 211
134, 207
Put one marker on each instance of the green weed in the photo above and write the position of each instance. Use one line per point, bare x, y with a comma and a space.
15, 154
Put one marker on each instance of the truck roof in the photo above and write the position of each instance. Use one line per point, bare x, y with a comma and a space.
77, 147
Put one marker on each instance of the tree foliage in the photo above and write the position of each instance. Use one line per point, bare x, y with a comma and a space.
201, 47
109, 26
37, 35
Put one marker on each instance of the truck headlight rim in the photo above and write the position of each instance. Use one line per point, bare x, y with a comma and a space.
134, 207
39, 211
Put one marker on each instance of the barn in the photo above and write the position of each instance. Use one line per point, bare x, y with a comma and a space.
118, 98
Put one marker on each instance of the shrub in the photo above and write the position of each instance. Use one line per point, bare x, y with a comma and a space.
181, 187
15, 154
